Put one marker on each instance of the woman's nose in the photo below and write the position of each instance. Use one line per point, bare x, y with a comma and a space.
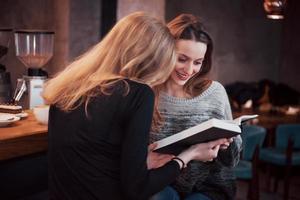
189, 68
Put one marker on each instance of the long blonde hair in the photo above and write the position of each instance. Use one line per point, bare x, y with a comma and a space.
139, 47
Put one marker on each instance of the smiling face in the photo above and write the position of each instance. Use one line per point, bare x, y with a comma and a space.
190, 55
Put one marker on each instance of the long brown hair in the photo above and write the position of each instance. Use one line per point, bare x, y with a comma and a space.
189, 27
139, 48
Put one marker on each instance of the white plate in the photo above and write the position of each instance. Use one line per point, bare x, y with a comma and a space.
6, 119
6, 116
22, 115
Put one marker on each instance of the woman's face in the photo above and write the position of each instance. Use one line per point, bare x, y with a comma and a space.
190, 55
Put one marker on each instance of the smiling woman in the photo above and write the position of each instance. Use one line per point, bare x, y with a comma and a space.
195, 44
187, 99
190, 57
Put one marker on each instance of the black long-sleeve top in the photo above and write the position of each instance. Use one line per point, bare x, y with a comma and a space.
103, 155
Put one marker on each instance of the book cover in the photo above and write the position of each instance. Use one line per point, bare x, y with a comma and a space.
212, 129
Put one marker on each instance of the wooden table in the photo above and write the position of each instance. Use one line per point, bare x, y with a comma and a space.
22, 138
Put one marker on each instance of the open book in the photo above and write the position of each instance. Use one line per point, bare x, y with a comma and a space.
212, 129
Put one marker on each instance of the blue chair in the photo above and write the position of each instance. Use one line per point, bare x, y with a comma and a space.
285, 154
253, 138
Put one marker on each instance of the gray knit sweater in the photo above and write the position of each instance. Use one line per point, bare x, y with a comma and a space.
215, 179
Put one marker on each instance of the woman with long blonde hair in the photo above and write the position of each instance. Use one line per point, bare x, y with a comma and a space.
101, 113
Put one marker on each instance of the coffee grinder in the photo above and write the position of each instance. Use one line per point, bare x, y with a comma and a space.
5, 82
34, 48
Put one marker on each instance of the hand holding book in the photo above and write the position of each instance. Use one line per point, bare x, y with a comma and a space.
210, 130
226, 144
203, 151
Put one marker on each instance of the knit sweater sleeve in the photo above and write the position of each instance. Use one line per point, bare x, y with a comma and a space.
136, 181
230, 156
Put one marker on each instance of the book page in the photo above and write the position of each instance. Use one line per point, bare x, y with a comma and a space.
243, 119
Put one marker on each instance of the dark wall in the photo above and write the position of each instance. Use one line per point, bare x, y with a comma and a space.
85, 26
247, 45
290, 68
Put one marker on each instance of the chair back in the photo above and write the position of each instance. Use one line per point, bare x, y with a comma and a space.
286, 131
252, 136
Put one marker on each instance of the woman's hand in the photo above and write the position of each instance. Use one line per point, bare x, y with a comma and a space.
203, 152
226, 144
156, 160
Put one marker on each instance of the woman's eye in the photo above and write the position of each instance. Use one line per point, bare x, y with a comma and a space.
198, 63
181, 60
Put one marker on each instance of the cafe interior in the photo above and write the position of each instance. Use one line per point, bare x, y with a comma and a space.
256, 51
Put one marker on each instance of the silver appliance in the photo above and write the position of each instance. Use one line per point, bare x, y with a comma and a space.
34, 48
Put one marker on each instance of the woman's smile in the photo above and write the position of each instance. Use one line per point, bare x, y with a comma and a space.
182, 76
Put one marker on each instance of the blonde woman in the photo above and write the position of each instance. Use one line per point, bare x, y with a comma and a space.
101, 113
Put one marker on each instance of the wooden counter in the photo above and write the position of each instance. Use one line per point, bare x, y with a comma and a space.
23, 137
